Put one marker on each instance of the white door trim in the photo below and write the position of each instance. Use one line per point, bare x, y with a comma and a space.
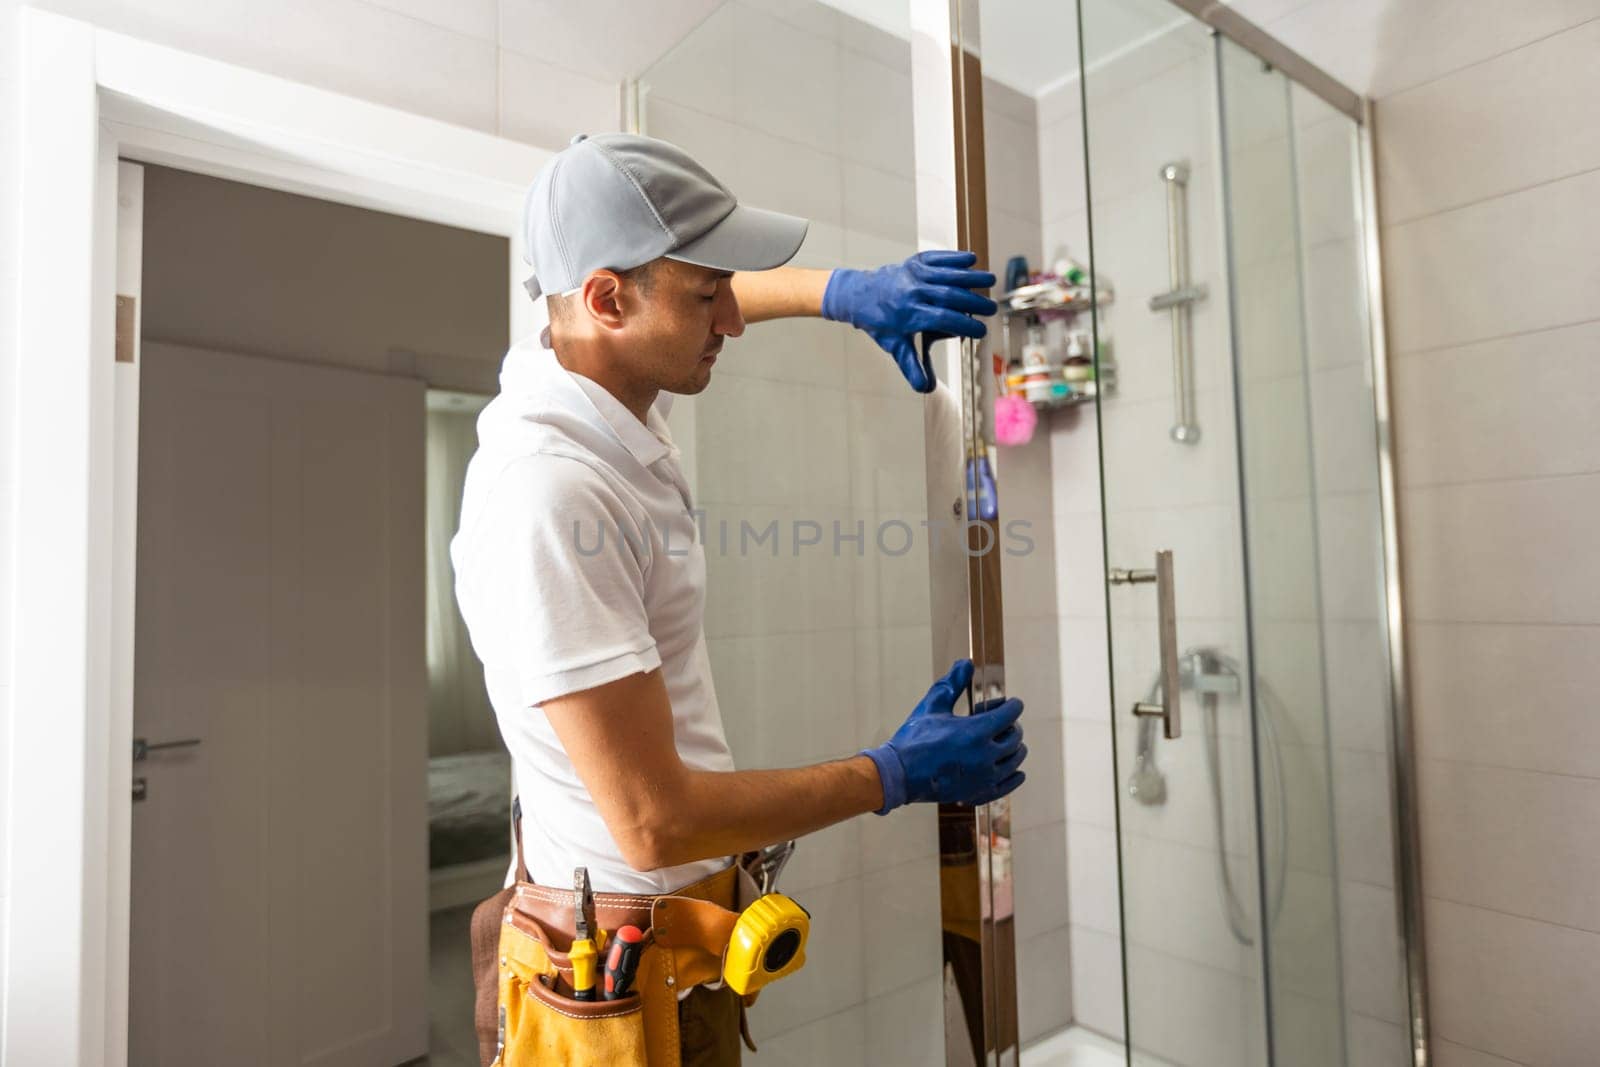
88, 97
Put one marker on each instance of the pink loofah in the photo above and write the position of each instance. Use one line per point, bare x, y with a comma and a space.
1014, 420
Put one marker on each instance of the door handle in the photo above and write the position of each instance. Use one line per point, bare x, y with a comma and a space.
1167, 635
143, 748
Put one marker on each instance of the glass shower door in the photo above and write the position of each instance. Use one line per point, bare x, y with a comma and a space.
1187, 811
1223, 821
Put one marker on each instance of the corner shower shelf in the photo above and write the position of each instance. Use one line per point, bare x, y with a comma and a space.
1055, 299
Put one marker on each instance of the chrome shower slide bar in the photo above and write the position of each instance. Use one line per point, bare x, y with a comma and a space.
1176, 302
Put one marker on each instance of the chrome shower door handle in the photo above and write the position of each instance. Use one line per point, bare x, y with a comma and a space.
1167, 635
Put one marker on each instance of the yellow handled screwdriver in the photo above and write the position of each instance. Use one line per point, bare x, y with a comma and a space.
584, 952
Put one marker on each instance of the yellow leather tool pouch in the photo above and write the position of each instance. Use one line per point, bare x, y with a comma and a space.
539, 1022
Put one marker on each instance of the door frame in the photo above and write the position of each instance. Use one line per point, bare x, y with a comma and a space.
89, 97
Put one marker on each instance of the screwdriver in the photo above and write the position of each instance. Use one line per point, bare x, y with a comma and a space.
583, 948
622, 963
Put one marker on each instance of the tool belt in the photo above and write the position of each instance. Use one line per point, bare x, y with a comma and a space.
522, 970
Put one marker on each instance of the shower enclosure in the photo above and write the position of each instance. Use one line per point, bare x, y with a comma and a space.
1188, 572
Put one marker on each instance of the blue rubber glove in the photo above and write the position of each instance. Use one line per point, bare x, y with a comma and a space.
937, 755
930, 293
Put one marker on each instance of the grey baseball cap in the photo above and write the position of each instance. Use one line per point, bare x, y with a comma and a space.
620, 200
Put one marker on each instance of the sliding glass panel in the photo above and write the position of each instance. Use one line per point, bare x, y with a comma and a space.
1298, 873
1180, 716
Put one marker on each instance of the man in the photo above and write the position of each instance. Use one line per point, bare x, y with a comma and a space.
595, 660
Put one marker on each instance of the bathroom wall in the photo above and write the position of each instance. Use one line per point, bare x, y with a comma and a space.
821, 650
1487, 184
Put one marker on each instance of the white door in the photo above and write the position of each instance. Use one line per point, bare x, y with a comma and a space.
279, 866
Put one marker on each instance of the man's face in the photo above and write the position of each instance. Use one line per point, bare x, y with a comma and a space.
687, 312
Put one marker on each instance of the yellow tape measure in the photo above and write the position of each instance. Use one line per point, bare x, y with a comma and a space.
768, 942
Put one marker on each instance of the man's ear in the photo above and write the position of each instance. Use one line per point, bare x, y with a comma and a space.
601, 297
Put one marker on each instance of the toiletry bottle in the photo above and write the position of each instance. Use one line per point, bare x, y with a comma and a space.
1035, 353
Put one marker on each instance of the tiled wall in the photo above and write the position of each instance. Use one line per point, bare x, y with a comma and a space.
819, 650
819, 654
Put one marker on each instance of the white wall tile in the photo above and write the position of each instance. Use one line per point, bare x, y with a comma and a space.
1375, 1041
1517, 988
1475, 691
800, 351
1450, 1054
1042, 799
887, 462
1517, 263
901, 656
1467, 548
1090, 778
1432, 138
611, 39
901, 944
1011, 150
772, 61
747, 434
880, 202
817, 19
1374, 970
839, 1040
1364, 814
1075, 462
907, 834
1189, 1013
1092, 877
1085, 682
1344, 431
546, 106
874, 118
1097, 980
907, 1026
1062, 179
1461, 425
743, 583
1327, 164
823, 858
1033, 670
1039, 869
809, 183
1351, 556
1378, 47
1079, 565
1336, 305
1496, 838
1044, 982
1028, 578
1146, 469
777, 708
1358, 685
475, 18
697, 72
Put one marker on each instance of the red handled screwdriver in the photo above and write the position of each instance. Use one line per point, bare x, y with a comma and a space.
622, 962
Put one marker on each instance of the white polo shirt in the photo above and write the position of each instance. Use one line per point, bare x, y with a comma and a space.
577, 563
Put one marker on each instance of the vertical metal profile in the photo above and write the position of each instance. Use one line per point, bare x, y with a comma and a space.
979, 937
1402, 760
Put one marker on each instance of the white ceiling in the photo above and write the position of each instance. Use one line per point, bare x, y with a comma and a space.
1032, 45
